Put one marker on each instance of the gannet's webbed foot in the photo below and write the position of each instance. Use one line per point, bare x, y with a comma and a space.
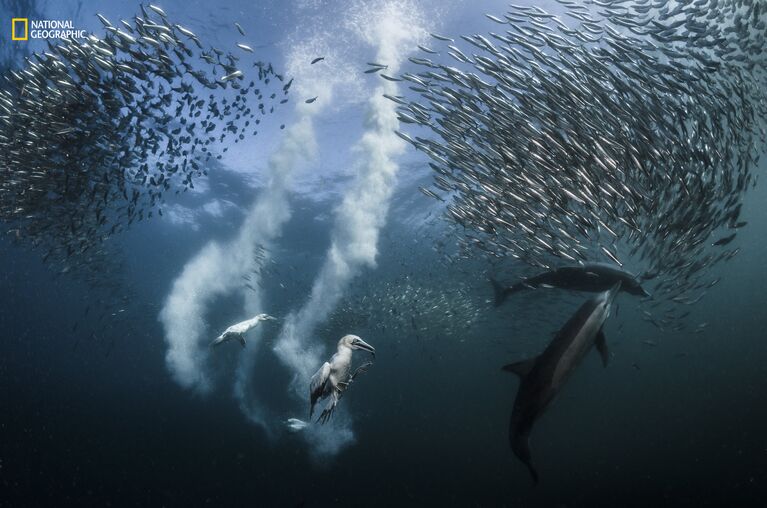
325, 416
360, 370
329, 408
343, 385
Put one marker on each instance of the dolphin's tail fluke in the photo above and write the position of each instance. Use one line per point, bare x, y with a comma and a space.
533, 472
520, 445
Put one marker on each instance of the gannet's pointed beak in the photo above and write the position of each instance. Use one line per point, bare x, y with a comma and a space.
361, 344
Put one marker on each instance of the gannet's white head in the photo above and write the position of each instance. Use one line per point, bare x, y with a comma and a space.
354, 342
265, 317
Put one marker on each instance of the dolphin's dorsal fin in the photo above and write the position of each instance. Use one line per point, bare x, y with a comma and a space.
520, 368
499, 292
601, 345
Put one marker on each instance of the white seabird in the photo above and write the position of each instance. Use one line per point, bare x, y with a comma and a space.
238, 331
334, 377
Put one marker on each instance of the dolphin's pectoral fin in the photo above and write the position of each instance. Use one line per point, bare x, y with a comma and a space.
242, 340
499, 292
601, 345
521, 368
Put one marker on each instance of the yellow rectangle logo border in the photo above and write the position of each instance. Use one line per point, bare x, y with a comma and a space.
13, 29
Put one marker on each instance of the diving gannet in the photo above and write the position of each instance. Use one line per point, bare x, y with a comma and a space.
238, 331
334, 377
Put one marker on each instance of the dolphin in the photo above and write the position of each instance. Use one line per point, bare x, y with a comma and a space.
542, 377
593, 277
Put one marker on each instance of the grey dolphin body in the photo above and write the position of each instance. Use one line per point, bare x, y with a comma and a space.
542, 377
592, 277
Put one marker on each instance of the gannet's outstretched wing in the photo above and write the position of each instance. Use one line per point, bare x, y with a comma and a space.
330, 407
228, 335
220, 339
317, 385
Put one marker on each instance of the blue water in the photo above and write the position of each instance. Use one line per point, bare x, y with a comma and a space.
90, 414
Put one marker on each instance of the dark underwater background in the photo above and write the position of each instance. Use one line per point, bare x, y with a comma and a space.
99, 422
90, 416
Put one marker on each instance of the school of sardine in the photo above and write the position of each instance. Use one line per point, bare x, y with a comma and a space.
621, 130
94, 132
624, 131
404, 306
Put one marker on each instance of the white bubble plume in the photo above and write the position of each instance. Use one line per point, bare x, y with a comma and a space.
217, 268
393, 28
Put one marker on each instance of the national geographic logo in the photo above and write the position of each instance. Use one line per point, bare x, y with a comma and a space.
44, 29
19, 29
